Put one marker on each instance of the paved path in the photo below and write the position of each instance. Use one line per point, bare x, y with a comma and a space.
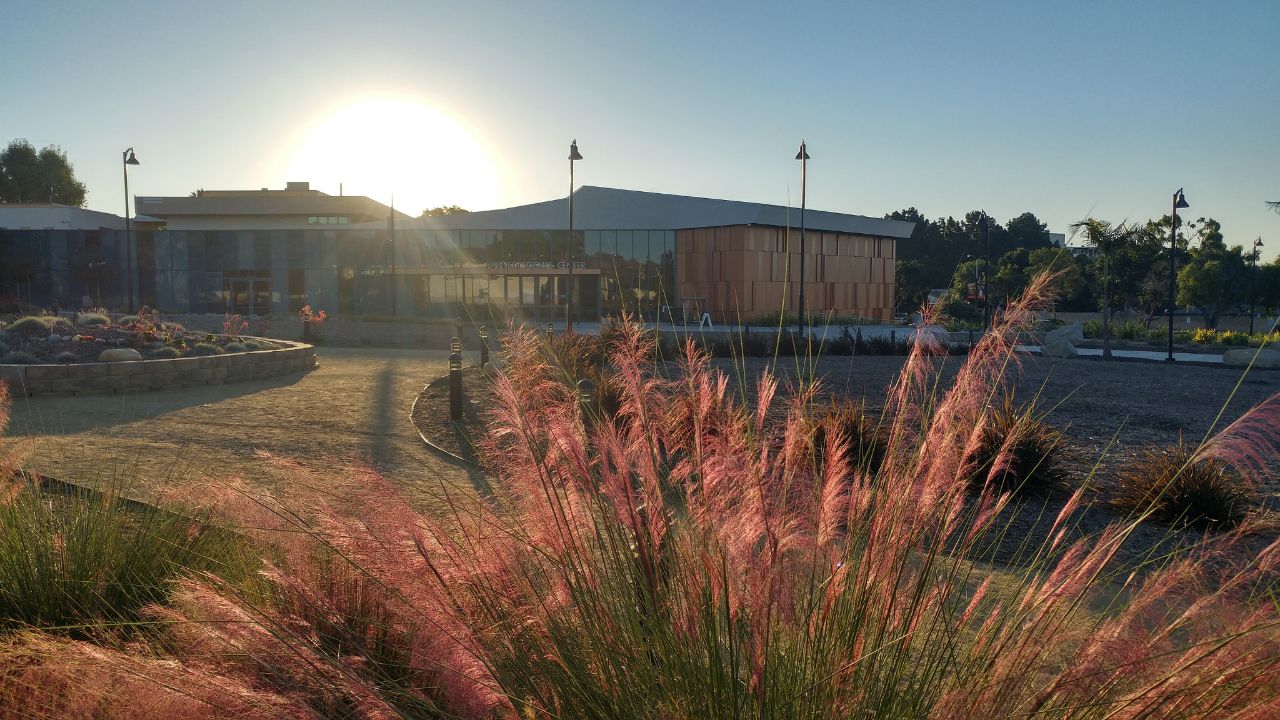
353, 408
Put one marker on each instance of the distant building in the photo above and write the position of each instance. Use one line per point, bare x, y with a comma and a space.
295, 207
51, 216
1057, 239
269, 252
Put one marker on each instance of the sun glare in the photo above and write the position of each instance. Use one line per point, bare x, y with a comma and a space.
385, 146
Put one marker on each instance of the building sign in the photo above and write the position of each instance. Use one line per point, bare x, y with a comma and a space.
529, 265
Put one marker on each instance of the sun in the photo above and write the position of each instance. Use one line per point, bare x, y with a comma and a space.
380, 147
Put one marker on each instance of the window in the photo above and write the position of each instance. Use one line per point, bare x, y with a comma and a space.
328, 220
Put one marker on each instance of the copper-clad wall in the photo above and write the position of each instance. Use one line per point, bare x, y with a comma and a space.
742, 272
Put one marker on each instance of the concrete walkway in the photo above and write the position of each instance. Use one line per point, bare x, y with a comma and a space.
1152, 355
354, 408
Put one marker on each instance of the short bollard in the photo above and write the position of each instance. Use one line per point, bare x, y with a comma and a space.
455, 385
550, 334
893, 340
455, 346
484, 346
306, 330
970, 337
457, 329
586, 398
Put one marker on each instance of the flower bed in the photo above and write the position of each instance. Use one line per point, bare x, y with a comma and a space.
43, 355
139, 375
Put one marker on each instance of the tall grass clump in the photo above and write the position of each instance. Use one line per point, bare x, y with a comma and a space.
1177, 487
1017, 450
695, 556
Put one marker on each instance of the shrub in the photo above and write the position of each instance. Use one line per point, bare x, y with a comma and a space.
66, 356
1180, 488
82, 562
91, 318
127, 320
29, 325
19, 357
165, 353
848, 420
1016, 451
1092, 328
205, 348
235, 347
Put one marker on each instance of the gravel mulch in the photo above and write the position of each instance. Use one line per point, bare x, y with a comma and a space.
1109, 412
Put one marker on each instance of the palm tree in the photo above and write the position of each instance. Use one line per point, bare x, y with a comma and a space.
1106, 237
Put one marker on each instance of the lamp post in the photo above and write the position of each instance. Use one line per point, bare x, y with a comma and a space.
1179, 201
568, 292
1253, 280
803, 157
129, 159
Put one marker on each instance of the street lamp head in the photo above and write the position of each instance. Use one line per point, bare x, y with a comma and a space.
802, 155
1257, 243
129, 158
573, 151
1180, 200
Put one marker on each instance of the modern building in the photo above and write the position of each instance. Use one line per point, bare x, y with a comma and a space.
270, 252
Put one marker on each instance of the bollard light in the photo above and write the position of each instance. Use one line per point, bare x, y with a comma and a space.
455, 385
586, 398
484, 346
550, 334
455, 345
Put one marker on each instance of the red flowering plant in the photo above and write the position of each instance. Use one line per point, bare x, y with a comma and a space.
232, 326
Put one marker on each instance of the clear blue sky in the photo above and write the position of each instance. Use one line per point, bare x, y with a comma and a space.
1066, 109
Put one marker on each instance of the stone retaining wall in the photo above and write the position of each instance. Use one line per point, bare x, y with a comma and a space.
140, 375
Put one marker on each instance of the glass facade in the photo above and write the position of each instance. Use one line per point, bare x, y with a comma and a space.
521, 273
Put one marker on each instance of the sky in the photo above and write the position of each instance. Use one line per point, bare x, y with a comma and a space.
1066, 109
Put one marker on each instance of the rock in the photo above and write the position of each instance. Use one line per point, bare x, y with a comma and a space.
1242, 357
119, 355
1073, 333
1058, 343
934, 335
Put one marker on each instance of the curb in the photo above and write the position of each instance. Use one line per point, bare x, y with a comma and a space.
446, 455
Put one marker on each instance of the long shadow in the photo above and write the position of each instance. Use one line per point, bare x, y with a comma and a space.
67, 415
383, 417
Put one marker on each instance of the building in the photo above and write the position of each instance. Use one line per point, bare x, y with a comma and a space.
52, 216
270, 252
643, 251
295, 207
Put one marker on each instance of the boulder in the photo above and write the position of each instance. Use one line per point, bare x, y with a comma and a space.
1073, 333
1242, 357
1059, 343
934, 335
119, 355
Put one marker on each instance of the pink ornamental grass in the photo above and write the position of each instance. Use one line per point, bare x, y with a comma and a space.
697, 557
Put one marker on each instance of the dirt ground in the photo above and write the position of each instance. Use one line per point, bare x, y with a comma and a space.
1109, 412
352, 409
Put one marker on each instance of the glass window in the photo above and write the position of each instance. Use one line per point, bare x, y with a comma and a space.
592, 243
624, 246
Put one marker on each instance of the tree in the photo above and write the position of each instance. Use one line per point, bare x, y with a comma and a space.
1108, 239
1216, 277
30, 177
443, 210
1069, 280
1026, 231
909, 285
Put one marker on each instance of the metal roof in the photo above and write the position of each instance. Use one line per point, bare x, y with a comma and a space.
600, 208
